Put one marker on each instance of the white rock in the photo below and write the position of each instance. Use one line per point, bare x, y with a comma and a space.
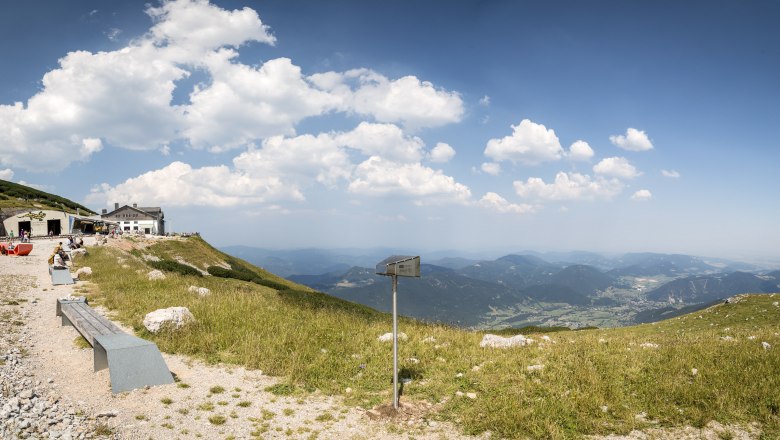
531, 368
175, 316
471, 395
459, 375
201, 291
155, 275
776, 303
648, 345
84, 271
459, 393
766, 345
727, 338
429, 340
413, 360
388, 337
694, 371
496, 341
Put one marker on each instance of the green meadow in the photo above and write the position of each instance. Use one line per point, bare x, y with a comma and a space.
687, 371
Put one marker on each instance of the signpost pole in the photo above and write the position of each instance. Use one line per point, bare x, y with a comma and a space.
395, 344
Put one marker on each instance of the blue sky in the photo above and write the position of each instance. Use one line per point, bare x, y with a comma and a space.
472, 126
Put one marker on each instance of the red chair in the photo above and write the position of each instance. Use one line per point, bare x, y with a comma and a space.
20, 249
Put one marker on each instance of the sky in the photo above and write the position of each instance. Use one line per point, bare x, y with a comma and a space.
609, 126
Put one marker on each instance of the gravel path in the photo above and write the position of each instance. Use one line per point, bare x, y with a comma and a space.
50, 391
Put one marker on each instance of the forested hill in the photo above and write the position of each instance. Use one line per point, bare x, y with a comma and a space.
15, 197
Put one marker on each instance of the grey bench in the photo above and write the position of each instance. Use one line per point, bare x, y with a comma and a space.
132, 362
60, 276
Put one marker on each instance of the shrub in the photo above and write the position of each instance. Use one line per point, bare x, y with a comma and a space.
175, 266
230, 273
244, 274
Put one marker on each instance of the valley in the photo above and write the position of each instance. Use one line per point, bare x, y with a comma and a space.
574, 290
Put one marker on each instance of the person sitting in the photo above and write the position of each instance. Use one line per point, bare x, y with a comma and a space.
57, 262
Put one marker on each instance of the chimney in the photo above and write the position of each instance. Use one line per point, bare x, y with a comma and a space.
116, 206
105, 211
135, 205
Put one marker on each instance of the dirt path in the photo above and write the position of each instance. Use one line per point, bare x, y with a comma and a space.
216, 402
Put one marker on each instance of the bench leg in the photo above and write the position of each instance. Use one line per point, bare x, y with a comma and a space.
132, 362
100, 357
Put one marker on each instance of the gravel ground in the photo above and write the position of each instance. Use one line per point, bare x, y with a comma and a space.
50, 391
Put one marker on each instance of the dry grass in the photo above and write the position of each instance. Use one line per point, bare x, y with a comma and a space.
592, 382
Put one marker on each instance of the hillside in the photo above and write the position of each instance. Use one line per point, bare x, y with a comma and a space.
441, 295
15, 197
699, 289
593, 382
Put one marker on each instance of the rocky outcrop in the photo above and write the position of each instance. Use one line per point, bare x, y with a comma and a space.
172, 317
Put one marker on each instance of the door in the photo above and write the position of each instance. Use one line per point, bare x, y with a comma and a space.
53, 226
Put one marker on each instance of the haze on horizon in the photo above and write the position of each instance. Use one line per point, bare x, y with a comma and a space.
485, 127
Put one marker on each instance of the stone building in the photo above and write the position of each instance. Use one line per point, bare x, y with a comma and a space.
147, 220
43, 222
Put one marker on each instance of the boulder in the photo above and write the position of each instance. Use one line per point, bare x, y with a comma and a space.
155, 275
201, 291
496, 341
172, 316
83, 271
388, 337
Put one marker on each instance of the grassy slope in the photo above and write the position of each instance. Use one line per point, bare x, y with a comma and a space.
15, 196
593, 381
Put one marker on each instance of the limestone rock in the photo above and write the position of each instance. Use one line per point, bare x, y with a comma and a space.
201, 291
155, 275
173, 316
83, 271
388, 337
496, 341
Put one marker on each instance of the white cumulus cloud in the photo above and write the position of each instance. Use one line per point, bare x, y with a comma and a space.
442, 153
633, 140
569, 186
407, 100
495, 202
385, 140
7, 174
580, 151
642, 195
670, 173
125, 97
178, 184
616, 167
492, 168
380, 177
530, 143
195, 26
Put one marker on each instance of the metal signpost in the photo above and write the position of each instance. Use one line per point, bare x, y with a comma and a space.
397, 266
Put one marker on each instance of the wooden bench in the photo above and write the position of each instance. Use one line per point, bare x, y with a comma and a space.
132, 362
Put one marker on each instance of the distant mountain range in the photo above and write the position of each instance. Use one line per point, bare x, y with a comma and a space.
473, 292
698, 289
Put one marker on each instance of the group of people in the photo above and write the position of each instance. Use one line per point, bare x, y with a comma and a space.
75, 244
24, 236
